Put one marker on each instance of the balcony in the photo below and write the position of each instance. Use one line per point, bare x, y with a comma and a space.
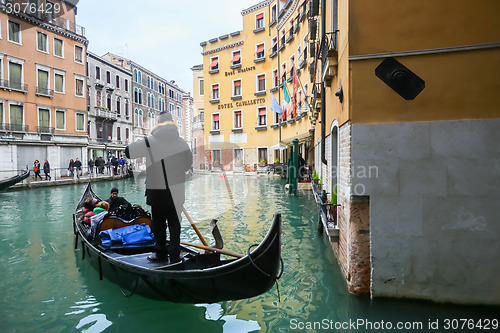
110, 87
16, 86
329, 57
43, 91
104, 113
14, 128
45, 130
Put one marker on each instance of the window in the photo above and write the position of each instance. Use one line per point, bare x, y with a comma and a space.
97, 72
126, 84
80, 122
236, 60
261, 116
273, 13
117, 81
15, 75
214, 64
274, 48
202, 90
261, 82
58, 47
98, 98
171, 108
42, 42
43, 120
283, 71
275, 78
127, 134
108, 77
141, 119
135, 75
216, 157
237, 123
42, 82
292, 65
60, 120
215, 92
259, 21
126, 108
282, 38
139, 78
1, 114
136, 117
262, 153
78, 54
14, 32
118, 133
16, 117
237, 88
179, 112
215, 122
108, 101
140, 96
260, 53
79, 86
238, 156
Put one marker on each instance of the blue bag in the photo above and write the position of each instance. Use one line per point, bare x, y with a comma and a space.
133, 234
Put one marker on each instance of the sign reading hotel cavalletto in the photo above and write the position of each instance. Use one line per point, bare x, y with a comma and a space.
240, 70
242, 103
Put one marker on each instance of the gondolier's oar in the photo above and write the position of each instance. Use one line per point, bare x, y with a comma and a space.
195, 228
213, 249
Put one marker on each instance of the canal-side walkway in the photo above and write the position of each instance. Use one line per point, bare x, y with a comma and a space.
30, 182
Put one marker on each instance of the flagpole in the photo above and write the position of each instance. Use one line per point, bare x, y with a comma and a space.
279, 67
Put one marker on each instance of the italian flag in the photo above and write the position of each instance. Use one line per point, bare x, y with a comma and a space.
286, 99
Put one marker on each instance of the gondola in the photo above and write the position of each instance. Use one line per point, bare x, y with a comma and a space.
198, 278
6, 183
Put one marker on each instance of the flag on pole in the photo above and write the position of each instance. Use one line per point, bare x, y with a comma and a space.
276, 107
286, 98
296, 86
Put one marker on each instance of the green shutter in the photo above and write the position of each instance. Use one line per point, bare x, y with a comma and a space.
59, 82
42, 41
79, 122
43, 81
60, 119
1, 115
16, 115
44, 119
58, 47
15, 74
14, 32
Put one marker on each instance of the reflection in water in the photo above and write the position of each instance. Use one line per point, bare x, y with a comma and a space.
231, 323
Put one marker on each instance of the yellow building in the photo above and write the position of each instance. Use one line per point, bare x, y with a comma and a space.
409, 130
42, 84
242, 72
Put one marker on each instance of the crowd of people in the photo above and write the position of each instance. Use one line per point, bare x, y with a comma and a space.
113, 166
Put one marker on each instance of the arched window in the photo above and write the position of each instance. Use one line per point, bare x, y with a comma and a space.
140, 96
141, 120
136, 117
108, 102
118, 105
135, 75
98, 98
136, 95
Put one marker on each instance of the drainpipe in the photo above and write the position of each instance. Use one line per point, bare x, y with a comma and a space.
323, 90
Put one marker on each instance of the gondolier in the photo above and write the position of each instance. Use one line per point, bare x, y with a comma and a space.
168, 158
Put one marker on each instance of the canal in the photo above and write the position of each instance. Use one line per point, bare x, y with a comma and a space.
46, 287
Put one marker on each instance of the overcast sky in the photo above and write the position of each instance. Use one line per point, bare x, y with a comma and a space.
161, 35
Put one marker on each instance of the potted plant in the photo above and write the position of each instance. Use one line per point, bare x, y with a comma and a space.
238, 162
216, 163
262, 162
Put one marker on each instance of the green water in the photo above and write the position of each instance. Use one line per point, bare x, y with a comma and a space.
46, 287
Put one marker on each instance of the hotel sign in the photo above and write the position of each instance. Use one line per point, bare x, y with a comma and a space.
240, 70
239, 104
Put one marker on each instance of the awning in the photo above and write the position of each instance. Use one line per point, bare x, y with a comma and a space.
274, 44
236, 56
279, 145
260, 48
215, 62
262, 112
237, 83
216, 117
261, 15
215, 86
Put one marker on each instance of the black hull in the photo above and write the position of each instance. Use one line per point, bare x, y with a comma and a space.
6, 183
203, 278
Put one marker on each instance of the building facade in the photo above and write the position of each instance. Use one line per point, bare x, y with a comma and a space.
150, 95
242, 73
43, 112
200, 161
109, 101
188, 103
409, 115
